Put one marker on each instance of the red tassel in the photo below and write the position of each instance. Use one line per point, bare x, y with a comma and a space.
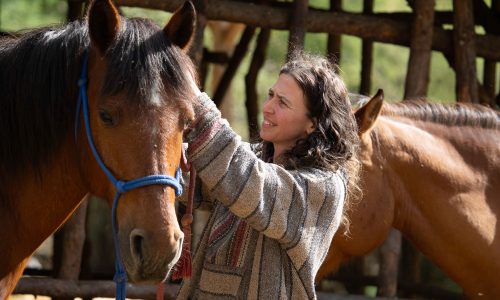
183, 267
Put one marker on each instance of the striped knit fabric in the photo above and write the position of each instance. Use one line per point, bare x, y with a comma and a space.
270, 228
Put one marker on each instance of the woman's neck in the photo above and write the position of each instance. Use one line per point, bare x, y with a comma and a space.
278, 151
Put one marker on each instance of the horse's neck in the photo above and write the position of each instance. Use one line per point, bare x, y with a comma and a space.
425, 161
8, 282
37, 206
444, 181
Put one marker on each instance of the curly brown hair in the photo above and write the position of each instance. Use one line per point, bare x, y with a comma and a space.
334, 143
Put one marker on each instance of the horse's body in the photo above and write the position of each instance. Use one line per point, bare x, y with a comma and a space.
136, 91
432, 172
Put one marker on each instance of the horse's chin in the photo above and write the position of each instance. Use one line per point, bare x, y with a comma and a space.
152, 269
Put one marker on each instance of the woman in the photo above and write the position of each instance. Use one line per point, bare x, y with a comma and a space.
275, 207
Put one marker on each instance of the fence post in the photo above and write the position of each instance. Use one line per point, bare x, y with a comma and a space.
417, 76
297, 25
465, 51
366, 56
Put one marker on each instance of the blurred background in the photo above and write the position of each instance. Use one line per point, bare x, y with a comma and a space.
389, 61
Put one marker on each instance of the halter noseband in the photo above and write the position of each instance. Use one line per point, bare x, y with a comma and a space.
121, 186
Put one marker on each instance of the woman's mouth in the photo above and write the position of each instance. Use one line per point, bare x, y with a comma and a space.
267, 123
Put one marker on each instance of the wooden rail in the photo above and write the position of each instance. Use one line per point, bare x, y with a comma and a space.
87, 289
367, 27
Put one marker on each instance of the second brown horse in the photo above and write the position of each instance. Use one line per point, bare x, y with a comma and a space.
433, 172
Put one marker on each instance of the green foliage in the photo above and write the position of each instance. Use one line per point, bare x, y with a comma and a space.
22, 14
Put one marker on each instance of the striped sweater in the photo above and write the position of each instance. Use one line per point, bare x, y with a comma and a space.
270, 228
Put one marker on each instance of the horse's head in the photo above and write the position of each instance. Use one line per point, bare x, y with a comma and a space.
138, 100
371, 216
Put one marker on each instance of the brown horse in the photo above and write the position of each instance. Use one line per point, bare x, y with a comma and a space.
433, 172
137, 90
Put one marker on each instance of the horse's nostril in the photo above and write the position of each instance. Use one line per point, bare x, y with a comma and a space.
137, 243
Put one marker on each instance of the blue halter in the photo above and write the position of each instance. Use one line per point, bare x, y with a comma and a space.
121, 186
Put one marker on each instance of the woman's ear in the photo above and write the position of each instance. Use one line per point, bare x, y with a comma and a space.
312, 127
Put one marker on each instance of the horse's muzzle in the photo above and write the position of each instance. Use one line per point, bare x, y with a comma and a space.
148, 258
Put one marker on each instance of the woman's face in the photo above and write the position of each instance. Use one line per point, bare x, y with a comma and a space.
285, 114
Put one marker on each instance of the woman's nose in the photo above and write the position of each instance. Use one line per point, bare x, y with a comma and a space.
267, 107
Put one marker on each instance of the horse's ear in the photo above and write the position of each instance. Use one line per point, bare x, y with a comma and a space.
104, 24
367, 114
180, 29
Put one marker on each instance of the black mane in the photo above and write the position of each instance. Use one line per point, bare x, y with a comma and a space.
39, 71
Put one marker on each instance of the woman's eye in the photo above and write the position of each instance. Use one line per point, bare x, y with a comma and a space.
106, 118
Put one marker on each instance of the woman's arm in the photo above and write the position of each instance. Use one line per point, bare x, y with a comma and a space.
288, 206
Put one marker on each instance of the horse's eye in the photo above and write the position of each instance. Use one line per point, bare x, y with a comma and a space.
106, 117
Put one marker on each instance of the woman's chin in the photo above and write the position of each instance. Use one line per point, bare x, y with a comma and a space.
264, 137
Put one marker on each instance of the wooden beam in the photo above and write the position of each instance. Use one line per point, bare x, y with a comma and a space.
489, 75
491, 23
73, 239
215, 57
368, 27
251, 102
366, 56
75, 10
297, 26
487, 17
389, 264
417, 75
234, 62
88, 289
423, 290
495, 7
334, 42
483, 95
196, 50
465, 52
440, 17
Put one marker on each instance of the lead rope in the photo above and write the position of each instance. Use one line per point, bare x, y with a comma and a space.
183, 268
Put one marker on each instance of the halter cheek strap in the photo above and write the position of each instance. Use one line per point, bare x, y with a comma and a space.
121, 186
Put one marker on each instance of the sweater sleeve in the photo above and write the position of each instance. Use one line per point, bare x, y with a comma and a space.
290, 206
